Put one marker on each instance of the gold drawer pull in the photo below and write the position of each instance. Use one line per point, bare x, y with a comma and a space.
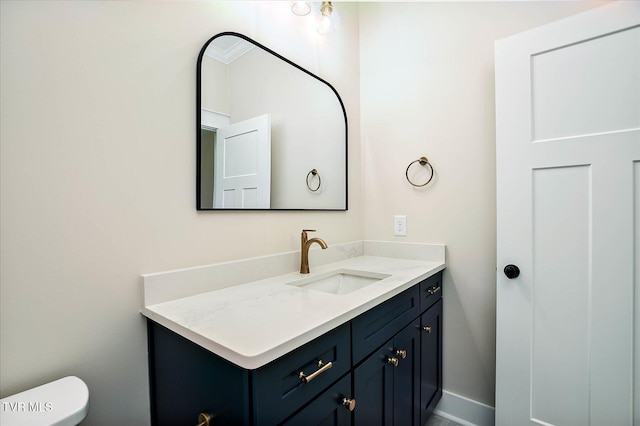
393, 361
427, 329
323, 367
204, 419
433, 290
349, 403
402, 353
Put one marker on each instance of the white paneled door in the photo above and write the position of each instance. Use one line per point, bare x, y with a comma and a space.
568, 155
242, 170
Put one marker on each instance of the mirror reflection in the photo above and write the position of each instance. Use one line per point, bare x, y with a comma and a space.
271, 135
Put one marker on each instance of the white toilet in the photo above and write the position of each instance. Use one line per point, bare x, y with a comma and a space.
63, 402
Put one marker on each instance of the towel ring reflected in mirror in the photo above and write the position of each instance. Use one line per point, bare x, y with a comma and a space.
313, 173
423, 161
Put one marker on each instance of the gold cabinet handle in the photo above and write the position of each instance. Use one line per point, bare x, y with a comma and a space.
427, 329
323, 367
393, 361
204, 419
402, 353
433, 290
350, 403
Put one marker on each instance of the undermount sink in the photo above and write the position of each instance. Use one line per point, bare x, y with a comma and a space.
342, 281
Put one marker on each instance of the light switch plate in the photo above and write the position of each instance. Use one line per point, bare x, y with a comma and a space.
400, 225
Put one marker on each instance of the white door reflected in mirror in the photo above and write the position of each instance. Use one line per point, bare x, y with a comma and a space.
242, 172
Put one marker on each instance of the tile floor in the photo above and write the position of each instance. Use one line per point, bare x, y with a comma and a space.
439, 421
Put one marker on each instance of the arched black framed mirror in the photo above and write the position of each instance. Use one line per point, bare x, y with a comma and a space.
263, 124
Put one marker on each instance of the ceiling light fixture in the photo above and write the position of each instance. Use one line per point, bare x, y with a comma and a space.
300, 8
326, 26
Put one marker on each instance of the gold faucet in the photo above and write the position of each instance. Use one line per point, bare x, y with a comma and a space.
305, 243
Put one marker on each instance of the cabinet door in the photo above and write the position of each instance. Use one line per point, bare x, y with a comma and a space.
431, 359
186, 379
328, 409
406, 378
373, 389
387, 384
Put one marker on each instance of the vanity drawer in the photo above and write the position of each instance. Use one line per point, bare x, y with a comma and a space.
371, 329
430, 291
329, 405
278, 388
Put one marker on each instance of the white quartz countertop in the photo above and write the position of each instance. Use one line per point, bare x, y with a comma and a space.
254, 323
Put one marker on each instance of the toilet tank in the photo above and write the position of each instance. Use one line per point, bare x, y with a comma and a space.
63, 402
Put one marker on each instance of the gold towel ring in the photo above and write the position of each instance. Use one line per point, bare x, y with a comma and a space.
423, 162
314, 172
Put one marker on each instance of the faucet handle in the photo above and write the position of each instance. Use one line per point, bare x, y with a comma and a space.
304, 231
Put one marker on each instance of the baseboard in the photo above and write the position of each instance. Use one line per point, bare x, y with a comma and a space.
465, 411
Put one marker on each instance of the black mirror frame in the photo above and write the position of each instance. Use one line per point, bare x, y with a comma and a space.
199, 121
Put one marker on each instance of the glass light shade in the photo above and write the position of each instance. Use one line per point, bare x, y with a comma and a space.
301, 8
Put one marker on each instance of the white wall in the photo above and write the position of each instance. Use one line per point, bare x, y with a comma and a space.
215, 81
97, 130
427, 88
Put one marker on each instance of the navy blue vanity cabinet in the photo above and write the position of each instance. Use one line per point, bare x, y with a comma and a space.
383, 367
431, 360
